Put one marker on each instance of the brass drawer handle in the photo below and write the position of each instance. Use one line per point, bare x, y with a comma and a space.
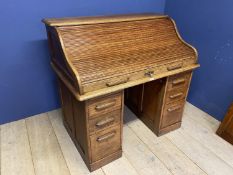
105, 105
173, 67
105, 122
106, 137
178, 81
173, 108
109, 84
149, 73
175, 95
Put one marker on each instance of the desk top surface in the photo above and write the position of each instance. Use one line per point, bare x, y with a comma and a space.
70, 21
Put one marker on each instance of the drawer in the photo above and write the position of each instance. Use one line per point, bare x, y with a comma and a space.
105, 143
179, 80
176, 94
121, 79
104, 121
172, 113
103, 105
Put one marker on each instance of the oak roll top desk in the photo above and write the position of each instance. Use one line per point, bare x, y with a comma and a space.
103, 63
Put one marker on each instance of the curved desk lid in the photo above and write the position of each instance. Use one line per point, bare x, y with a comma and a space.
98, 50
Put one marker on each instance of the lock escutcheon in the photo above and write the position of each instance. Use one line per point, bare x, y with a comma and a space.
149, 73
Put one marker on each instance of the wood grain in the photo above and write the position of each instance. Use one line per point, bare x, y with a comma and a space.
195, 142
209, 139
116, 50
96, 58
201, 117
74, 161
99, 19
121, 166
113, 49
225, 130
173, 158
105, 91
104, 104
100, 147
141, 158
199, 154
47, 156
16, 158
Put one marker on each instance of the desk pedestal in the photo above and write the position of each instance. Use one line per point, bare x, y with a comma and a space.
95, 125
159, 104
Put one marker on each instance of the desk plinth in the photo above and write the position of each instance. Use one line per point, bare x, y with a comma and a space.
105, 62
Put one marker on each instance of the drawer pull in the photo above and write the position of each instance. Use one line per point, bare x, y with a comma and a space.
105, 122
149, 73
173, 108
175, 95
106, 137
105, 105
178, 81
109, 84
173, 67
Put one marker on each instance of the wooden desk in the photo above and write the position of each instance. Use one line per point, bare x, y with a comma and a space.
106, 62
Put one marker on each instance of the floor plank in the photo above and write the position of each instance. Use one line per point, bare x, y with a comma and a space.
120, 166
201, 117
42, 141
69, 150
199, 154
15, 150
175, 160
212, 141
142, 159
46, 153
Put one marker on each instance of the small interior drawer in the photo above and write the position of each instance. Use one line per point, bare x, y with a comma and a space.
179, 80
176, 94
105, 143
105, 104
104, 121
172, 113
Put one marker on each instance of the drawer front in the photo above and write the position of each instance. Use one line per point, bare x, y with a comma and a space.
176, 94
104, 121
103, 105
179, 80
105, 143
123, 79
172, 113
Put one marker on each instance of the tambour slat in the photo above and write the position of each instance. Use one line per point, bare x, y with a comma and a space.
100, 51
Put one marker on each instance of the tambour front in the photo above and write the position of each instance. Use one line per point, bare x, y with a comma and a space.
106, 62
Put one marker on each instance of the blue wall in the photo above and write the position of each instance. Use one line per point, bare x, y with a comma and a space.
208, 25
27, 83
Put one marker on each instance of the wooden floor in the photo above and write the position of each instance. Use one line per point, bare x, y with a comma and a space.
40, 145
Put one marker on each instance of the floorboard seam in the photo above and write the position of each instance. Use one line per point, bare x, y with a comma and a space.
58, 141
207, 149
33, 163
131, 164
103, 171
186, 155
187, 115
209, 118
150, 149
